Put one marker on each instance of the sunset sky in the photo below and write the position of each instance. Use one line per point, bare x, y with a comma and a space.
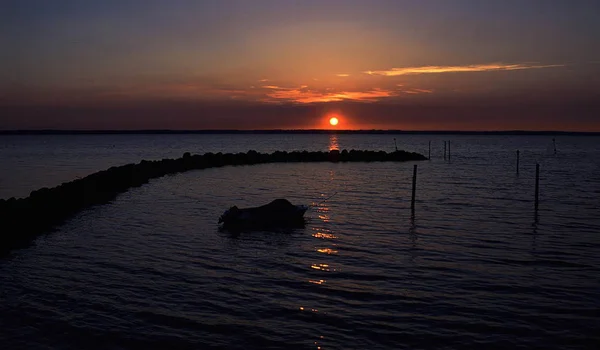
282, 64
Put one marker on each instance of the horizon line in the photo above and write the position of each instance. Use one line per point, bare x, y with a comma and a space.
284, 131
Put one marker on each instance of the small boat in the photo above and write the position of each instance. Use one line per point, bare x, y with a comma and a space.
278, 213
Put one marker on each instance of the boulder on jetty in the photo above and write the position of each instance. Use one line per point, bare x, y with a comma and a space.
21, 220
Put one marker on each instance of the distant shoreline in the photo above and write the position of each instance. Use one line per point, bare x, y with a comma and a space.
292, 131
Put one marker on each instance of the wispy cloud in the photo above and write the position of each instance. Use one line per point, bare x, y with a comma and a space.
421, 91
263, 80
308, 96
343, 75
458, 69
270, 87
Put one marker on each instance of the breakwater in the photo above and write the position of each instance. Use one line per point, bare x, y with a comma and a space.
24, 219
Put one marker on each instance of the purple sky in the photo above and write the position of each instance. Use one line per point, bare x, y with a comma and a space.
237, 64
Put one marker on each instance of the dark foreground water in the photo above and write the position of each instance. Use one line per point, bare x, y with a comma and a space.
472, 269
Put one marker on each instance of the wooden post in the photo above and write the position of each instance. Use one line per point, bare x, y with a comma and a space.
518, 162
448, 150
395, 144
537, 186
429, 150
414, 190
554, 143
444, 149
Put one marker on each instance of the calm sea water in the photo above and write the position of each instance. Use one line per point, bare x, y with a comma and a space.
472, 269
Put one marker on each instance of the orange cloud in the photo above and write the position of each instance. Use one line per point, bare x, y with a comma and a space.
343, 75
457, 69
417, 91
307, 96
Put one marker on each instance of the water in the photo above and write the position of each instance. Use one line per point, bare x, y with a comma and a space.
472, 269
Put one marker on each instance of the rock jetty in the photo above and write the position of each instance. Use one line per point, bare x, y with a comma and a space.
21, 220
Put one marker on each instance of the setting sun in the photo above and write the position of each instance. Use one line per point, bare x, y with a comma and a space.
333, 121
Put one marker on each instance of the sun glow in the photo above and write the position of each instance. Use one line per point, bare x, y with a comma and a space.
334, 121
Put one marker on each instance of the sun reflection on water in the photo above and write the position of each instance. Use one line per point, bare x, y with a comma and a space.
322, 267
333, 142
323, 212
302, 308
327, 251
324, 235
317, 281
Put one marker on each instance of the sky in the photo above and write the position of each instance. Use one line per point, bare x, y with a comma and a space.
282, 64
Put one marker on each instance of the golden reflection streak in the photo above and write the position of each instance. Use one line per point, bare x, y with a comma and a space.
317, 342
324, 235
333, 143
322, 267
317, 281
327, 251
313, 310
321, 208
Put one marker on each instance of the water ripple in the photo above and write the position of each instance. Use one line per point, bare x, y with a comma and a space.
472, 268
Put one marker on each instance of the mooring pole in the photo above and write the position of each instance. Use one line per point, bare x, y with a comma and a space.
395, 144
448, 150
518, 162
414, 190
429, 150
444, 149
554, 143
537, 186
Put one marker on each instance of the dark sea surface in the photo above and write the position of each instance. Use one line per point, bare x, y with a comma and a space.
473, 269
